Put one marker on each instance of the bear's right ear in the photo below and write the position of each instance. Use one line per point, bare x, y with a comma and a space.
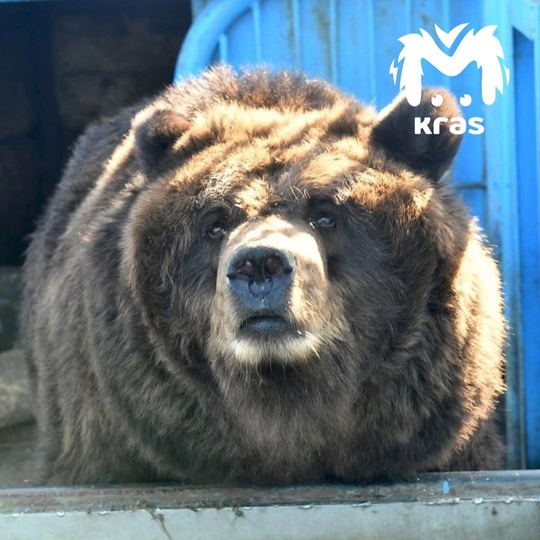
429, 154
155, 136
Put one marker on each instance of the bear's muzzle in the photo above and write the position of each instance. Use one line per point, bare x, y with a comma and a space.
271, 299
260, 280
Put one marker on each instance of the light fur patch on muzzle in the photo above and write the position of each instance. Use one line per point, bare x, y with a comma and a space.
312, 318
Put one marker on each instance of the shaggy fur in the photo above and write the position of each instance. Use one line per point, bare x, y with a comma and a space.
386, 359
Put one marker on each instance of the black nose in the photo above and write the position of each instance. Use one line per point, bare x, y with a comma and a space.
260, 277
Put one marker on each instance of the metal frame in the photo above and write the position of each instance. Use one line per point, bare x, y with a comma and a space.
205, 33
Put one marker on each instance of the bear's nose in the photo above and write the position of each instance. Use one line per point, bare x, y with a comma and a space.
261, 277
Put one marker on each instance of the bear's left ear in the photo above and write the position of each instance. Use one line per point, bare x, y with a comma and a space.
431, 150
155, 136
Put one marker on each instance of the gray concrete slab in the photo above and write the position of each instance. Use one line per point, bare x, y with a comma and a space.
16, 449
497, 505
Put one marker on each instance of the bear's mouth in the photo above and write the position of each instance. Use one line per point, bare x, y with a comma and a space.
269, 336
266, 323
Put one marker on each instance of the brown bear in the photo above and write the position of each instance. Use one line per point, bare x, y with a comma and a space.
254, 278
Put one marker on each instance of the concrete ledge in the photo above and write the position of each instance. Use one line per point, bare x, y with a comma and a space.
495, 505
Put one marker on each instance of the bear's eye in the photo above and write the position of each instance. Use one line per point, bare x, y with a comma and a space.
217, 230
324, 221
322, 214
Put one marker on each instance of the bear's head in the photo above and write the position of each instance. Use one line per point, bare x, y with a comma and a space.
288, 242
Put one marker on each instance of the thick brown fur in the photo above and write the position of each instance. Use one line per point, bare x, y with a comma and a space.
134, 338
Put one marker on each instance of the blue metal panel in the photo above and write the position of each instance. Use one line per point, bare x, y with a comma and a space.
353, 44
503, 206
355, 76
391, 20
529, 234
526, 17
512, 135
276, 33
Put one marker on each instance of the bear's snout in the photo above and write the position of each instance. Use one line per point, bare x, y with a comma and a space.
260, 278
272, 295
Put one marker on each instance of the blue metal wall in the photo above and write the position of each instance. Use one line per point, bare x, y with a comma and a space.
352, 44
512, 169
